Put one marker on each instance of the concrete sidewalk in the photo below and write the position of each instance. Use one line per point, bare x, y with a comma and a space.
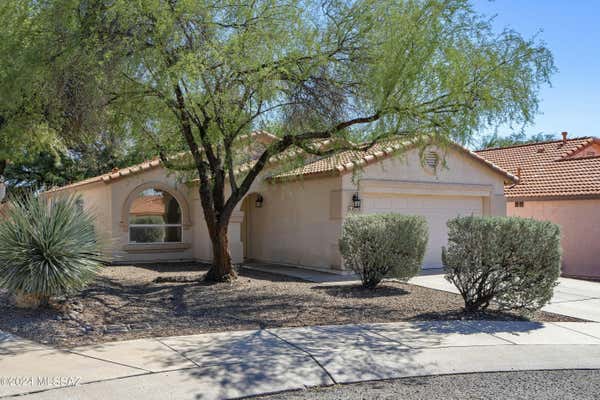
237, 364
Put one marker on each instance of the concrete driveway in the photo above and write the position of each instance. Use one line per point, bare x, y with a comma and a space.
572, 297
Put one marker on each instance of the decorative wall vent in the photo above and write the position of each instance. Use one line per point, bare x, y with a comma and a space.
432, 159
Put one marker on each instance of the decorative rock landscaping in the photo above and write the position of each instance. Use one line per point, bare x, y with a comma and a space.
125, 302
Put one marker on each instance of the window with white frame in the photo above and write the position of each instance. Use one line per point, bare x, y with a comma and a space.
154, 217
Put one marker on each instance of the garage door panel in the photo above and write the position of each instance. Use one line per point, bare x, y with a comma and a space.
437, 210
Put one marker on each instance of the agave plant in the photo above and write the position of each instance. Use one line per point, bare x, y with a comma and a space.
47, 248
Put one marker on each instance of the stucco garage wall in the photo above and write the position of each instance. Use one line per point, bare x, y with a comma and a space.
299, 223
403, 185
459, 168
580, 228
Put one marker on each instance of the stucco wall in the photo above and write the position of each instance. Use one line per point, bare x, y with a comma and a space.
403, 185
580, 228
125, 187
299, 223
459, 170
97, 201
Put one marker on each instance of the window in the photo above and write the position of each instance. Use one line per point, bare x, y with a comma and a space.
519, 204
154, 217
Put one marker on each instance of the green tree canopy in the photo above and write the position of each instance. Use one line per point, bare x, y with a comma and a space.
45, 169
515, 138
199, 74
54, 126
21, 123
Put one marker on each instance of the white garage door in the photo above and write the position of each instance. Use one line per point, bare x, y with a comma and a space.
436, 209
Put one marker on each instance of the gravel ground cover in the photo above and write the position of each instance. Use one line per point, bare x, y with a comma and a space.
521, 385
127, 302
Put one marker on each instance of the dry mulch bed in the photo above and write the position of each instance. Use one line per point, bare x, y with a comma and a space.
126, 302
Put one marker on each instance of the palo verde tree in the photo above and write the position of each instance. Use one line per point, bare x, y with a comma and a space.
21, 123
202, 73
54, 126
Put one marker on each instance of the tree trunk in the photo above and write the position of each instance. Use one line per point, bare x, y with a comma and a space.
221, 269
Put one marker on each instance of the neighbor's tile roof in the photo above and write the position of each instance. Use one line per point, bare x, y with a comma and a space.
148, 205
546, 169
346, 161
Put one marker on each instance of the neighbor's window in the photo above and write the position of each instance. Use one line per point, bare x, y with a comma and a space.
154, 217
519, 204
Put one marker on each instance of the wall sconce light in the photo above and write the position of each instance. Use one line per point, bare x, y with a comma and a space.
355, 201
259, 201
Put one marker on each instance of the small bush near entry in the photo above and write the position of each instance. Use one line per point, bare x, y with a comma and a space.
511, 261
47, 249
384, 245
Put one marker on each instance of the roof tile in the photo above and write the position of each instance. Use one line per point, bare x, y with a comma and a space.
348, 160
549, 173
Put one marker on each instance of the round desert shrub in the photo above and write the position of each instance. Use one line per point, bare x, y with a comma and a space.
384, 245
510, 261
47, 248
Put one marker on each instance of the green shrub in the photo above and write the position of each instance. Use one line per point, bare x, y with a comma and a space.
47, 249
384, 245
513, 262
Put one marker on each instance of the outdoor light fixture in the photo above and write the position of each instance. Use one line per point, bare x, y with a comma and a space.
355, 201
259, 201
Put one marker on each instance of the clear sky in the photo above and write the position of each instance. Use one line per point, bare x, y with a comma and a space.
571, 30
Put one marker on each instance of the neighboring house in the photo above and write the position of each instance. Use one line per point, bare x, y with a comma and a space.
292, 216
559, 181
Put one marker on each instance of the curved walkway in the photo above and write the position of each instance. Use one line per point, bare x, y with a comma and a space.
236, 364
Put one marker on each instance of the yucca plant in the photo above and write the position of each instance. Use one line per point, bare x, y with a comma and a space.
47, 248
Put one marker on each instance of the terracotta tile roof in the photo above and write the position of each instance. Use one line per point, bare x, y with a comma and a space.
258, 135
339, 163
546, 169
111, 176
148, 205
346, 161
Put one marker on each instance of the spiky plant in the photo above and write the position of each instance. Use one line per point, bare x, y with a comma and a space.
47, 248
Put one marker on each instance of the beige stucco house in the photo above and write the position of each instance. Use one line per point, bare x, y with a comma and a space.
559, 181
293, 216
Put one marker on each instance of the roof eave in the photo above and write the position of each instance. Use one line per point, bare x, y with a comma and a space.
552, 197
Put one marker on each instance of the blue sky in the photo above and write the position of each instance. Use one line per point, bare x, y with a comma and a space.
571, 30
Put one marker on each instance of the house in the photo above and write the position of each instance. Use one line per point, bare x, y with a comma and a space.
292, 215
559, 181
